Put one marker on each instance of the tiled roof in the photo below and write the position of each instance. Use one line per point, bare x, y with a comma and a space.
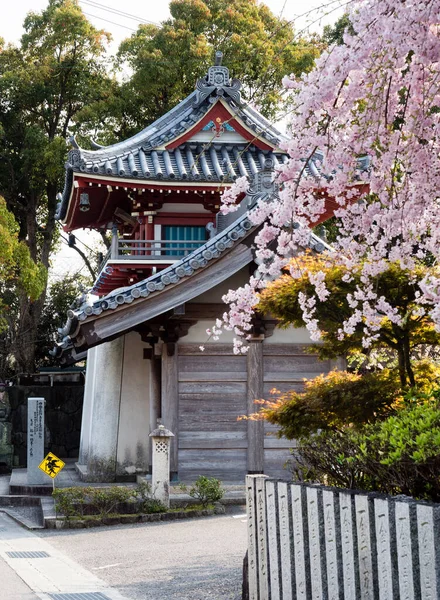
190, 161
187, 266
171, 275
142, 156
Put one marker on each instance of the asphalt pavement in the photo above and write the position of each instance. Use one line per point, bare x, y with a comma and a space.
196, 559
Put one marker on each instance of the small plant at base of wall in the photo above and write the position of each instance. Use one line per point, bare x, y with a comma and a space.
207, 490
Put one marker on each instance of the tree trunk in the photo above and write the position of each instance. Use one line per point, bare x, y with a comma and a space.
26, 340
407, 358
401, 363
30, 312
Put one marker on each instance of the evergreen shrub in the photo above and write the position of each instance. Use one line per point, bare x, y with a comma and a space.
207, 490
397, 455
76, 502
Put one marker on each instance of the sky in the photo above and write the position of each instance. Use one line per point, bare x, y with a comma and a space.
309, 15
100, 13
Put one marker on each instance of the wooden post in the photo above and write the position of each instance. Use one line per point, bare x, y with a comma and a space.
255, 429
114, 244
155, 398
170, 399
156, 368
149, 233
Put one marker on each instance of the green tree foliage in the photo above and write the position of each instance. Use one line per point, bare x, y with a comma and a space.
17, 269
44, 82
339, 399
259, 48
334, 34
398, 455
396, 285
62, 295
373, 430
19, 276
330, 401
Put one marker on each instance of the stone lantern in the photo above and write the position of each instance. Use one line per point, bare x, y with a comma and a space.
160, 479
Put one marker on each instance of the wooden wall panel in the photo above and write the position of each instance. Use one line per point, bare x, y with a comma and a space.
212, 388
201, 364
275, 461
212, 395
225, 463
207, 439
210, 350
282, 386
287, 349
276, 452
295, 364
285, 368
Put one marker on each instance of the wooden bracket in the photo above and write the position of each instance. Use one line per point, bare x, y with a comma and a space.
173, 330
148, 353
262, 327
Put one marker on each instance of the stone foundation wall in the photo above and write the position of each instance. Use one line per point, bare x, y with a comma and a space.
63, 414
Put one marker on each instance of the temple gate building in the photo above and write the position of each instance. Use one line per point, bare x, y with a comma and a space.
171, 260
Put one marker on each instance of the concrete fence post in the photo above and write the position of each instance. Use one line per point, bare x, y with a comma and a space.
257, 537
160, 480
311, 542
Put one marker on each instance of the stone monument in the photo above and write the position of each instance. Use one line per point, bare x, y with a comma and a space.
35, 441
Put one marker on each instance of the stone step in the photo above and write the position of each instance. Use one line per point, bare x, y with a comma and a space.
25, 510
18, 485
4, 484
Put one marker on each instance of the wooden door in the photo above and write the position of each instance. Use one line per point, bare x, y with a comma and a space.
212, 396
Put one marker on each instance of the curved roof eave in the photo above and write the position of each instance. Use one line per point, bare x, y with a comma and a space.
224, 244
179, 112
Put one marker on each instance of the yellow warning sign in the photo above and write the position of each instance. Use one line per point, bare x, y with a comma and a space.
51, 465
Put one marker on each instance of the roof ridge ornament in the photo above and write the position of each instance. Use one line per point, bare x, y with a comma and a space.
217, 83
263, 184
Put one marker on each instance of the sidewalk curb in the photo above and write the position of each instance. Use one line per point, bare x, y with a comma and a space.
60, 523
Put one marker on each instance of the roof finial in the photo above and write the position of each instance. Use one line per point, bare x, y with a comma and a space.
217, 83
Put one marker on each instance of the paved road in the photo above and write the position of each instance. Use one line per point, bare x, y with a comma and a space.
12, 587
197, 559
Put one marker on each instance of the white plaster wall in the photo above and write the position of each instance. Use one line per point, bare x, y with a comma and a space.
134, 416
289, 336
197, 335
215, 294
105, 410
86, 420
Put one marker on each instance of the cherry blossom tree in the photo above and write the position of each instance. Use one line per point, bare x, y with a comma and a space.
365, 138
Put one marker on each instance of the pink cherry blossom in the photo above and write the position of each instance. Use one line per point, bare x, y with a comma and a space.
375, 96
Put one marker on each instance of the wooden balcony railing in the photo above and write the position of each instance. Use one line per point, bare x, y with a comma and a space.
171, 250
149, 251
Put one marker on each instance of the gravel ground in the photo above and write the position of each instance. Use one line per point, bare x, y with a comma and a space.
197, 559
